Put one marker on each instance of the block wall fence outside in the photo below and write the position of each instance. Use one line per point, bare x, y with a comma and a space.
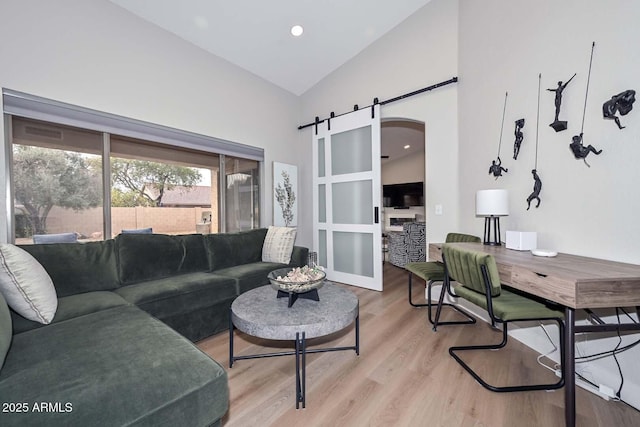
163, 220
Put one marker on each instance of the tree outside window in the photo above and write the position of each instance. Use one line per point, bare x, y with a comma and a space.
144, 183
44, 178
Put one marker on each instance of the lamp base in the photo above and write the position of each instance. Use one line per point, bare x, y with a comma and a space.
496, 231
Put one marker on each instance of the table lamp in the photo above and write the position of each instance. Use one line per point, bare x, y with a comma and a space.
492, 204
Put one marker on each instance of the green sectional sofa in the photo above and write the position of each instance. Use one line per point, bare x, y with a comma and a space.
119, 350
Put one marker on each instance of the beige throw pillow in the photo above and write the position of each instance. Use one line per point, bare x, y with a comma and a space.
278, 245
26, 286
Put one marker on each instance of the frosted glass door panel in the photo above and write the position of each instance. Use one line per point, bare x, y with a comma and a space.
322, 203
352, 202
322, 247
353, 253
321, 171
346, 189
351, 151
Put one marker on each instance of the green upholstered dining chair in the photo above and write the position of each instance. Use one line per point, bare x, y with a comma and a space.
432, 272
478, 281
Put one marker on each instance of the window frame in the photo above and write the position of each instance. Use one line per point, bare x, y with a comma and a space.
28, 106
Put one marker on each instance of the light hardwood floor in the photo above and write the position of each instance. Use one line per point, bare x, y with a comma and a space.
404, 376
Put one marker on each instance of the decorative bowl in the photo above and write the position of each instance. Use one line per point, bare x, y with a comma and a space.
297, 280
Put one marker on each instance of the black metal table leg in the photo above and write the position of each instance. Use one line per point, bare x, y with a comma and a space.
297, 370
230, 340
304, 370
300, 369
358, 333
570, 368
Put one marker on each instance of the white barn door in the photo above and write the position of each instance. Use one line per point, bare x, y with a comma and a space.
347, 230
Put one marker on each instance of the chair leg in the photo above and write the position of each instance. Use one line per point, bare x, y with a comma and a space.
436, 322
528, 387
428, 304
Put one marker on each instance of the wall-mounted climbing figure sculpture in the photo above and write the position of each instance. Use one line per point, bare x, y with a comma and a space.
559, 125
496, 168
621, 103
537, 182
537, 186
496, 165
519, 137
579, 150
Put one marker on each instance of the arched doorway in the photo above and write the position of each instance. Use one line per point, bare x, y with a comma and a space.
402, 148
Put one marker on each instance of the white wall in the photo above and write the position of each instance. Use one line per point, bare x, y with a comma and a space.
419, 52
94, 54
503, 47
589, 211
405, 169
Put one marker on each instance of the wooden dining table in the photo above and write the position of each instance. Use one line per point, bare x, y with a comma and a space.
575, 282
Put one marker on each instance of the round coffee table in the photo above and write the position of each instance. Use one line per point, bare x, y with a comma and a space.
261, 314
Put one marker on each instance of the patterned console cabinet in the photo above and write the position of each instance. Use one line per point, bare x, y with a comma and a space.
408, 245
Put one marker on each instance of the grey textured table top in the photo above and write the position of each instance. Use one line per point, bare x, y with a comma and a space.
259, 313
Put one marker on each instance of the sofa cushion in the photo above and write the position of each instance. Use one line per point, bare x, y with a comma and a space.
249, 276
5, 330
278, 244
202, 323
71, 307
229, 249
26, 286
299, 256
78, 267
114, 367
155, 256
179, 294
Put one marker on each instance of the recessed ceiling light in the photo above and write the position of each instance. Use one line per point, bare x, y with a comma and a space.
406, 147
201, 22
297, 30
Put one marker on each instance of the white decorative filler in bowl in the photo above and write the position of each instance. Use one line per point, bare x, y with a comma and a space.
297, 282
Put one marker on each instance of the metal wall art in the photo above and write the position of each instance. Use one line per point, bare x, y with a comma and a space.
519, 137
537, 182
559, 125
621, 103
580, 151
537, 186
496, 165
496, 168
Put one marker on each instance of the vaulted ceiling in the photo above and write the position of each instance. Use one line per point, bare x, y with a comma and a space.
255, 34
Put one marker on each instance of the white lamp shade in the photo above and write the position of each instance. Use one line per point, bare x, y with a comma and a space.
492, 203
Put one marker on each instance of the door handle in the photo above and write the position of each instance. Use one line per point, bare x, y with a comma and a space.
375, 215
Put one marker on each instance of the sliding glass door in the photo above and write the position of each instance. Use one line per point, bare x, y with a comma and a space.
242, 194
57, 181
69, 180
